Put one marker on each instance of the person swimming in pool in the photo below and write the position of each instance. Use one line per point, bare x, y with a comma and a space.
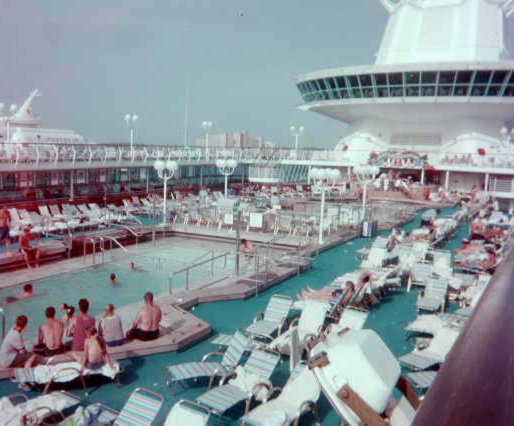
112, 280
26, 293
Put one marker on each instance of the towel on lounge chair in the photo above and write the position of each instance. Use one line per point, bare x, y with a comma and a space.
12, 414
62, 372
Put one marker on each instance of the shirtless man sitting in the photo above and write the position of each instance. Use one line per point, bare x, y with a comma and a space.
49, 338
26, 249
146, 323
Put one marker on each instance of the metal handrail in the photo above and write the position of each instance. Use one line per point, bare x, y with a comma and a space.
134, 233
188, 268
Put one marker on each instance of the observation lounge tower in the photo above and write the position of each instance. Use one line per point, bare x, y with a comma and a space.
442, 86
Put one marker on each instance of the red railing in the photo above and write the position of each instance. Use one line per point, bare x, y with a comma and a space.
476, 383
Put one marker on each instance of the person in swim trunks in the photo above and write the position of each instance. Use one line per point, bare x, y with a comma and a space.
26, 249
146, 323
5, 223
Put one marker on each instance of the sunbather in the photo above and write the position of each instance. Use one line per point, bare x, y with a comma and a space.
146, 323
95, 354
13, 352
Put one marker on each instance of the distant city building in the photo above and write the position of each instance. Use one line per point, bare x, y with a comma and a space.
238, 140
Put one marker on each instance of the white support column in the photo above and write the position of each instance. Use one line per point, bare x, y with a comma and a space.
71, 185
486, 183
422, 175
147, 180
322, 213
447, 180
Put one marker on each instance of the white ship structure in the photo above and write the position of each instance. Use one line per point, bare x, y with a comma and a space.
439, 98
24, 126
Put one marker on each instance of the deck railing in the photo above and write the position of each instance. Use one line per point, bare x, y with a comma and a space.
475, 385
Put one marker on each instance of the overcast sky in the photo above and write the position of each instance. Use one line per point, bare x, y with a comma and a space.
96, 60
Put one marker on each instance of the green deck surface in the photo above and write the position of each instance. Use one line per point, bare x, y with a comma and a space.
387, 319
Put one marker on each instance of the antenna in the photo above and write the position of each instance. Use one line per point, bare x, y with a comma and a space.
187, 111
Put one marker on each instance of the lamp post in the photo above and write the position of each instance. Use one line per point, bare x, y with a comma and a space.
506, 135
324, 178
131, 120
165, 171
296, 132
226, 168
365, 174
206, 125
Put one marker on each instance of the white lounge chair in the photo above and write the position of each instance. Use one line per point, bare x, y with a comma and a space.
176, 374
310, 322
273, 318
248, 383
434, 295
298, 396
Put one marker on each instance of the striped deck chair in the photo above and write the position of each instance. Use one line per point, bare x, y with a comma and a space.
195, 370
220, 399
273, 317
140, 409
421, 379
434, 295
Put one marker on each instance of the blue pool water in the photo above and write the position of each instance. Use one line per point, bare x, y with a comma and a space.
93, 284
388, 318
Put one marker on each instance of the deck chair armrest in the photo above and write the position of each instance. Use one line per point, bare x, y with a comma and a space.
257, 316
272, 391
294, 322
208, 355
17, 395
307, 338
34, 412
259, 386
307, 405
227, 376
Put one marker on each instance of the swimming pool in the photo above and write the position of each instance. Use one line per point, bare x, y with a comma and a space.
153, 270
387, 319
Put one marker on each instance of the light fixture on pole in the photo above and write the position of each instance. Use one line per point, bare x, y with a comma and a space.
206, 125
296, 132
131, 120
165, 171
226, 168
365, 174
324, 178
506, 135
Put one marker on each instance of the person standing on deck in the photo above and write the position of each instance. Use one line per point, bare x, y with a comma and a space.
78, 325
146, 323
5, 223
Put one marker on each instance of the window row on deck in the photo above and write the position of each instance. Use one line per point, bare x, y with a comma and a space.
410, 84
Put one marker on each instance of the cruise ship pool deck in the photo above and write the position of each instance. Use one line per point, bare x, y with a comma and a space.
386, 318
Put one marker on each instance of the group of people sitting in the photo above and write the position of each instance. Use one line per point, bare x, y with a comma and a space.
77, 335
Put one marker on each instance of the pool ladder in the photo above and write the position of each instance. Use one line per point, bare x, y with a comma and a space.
3, 323
101, 239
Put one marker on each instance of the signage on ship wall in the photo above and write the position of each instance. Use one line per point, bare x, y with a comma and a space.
398, 159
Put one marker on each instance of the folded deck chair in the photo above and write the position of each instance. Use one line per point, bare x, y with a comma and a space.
195, 370
298, 396
140, 409
434, 295
62, 373
273, 317
35, 410
250, 382
310, 322
434, 354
